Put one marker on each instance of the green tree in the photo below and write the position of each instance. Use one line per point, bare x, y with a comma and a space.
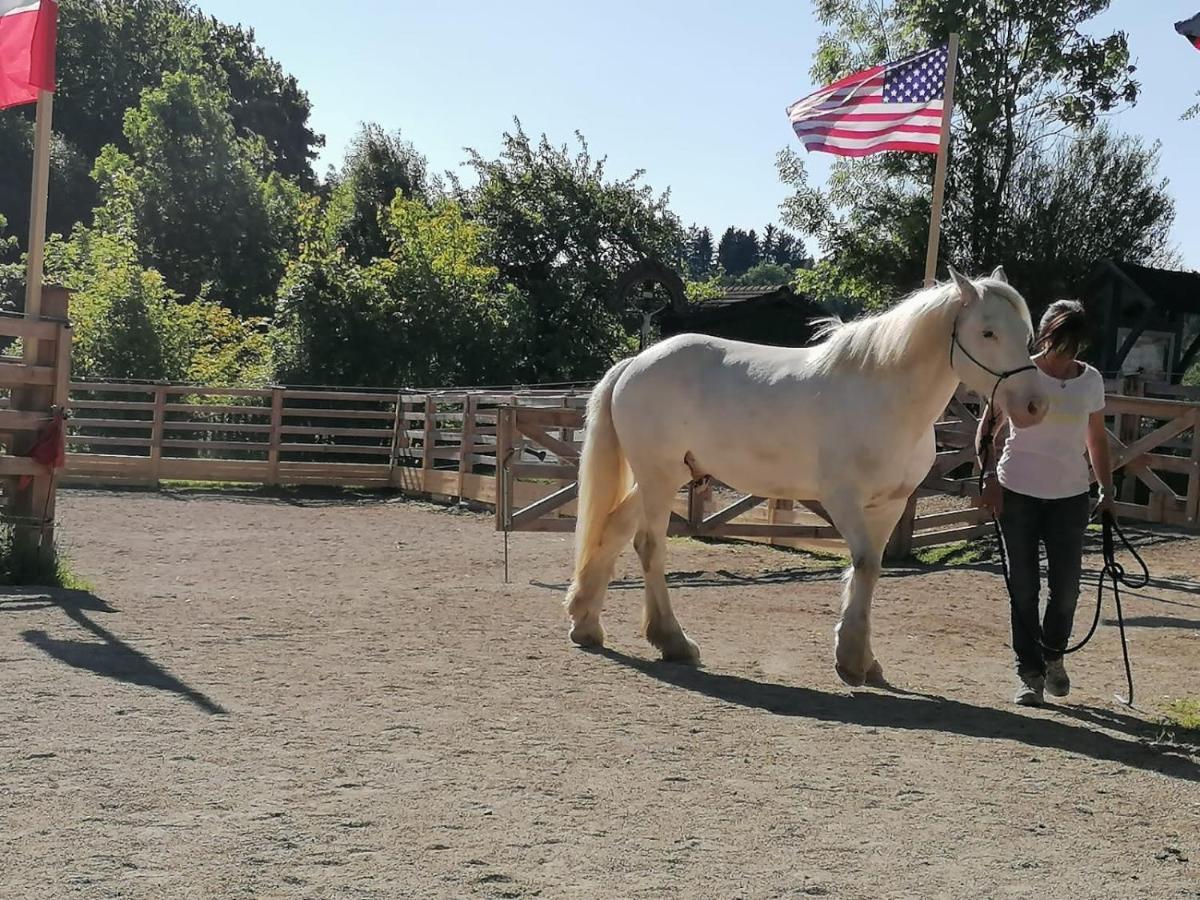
1031, 73
838, 292
561, 233
738, 251
432, 312
1078, 202
378, 166
12, 273
766, 273
699, 253
788, 250
129, 324
108, 53
202, 211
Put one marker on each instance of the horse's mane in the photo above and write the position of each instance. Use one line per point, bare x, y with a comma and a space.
883, 340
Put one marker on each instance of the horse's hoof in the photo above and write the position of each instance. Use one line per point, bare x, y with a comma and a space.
875, 676
681, 649
587, 635
854, 679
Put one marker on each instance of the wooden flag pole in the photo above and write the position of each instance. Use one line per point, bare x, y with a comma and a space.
939, 176
899, 546
37, 213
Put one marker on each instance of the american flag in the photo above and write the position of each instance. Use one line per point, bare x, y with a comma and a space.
896, 106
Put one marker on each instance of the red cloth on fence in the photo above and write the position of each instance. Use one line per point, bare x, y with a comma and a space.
50, 447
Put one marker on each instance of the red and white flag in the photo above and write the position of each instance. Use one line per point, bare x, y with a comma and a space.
896, 106
28, 33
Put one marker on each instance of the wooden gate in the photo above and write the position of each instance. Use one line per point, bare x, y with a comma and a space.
538, 469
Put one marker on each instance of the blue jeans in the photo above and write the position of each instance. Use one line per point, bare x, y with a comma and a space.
1059, 525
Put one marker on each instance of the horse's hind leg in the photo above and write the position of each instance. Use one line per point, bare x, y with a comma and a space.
585, 598
661, 627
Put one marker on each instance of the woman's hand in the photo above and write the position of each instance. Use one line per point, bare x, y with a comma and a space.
1098, 454
992, 497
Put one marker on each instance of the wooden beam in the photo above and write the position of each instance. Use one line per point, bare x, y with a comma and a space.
732, 511
561, 497
814, 507
1136, 332
541, 437
1130, 452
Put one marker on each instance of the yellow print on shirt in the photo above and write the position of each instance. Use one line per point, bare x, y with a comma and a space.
1065, 409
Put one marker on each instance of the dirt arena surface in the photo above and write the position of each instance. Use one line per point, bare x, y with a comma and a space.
330, 698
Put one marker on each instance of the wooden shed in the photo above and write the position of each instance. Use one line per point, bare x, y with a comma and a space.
773, 314
1147, 320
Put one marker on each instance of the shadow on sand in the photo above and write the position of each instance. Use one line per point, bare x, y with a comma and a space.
108, 656
896, 708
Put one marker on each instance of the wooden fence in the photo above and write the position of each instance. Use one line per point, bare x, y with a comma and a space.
517, 451
442, 444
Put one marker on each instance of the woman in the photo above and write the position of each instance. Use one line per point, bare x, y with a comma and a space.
1039, 491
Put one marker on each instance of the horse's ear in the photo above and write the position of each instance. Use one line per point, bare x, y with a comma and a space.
965, 289
999, 274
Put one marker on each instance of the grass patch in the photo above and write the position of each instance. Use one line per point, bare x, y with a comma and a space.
1183, 714
821, 559
1179, 726
961, 553
20, 565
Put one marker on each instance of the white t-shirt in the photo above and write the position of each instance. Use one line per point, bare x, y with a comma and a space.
1048, 460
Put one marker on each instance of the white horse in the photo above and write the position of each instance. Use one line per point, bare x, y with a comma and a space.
848, 422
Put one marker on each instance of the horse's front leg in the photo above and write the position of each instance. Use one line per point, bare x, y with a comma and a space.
866, 532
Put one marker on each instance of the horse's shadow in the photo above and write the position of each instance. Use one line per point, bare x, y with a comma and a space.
109, 656
907, 710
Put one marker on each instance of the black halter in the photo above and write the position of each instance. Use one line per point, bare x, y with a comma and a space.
999, 376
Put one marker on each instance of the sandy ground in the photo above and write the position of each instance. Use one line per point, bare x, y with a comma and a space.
329, 698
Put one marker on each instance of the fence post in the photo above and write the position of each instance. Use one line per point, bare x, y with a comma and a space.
429, 442
778, 510
35, 503
466, 453
157, 427
899, 546
398, 428
1193, 491
1129, 428
504, 449
275, 438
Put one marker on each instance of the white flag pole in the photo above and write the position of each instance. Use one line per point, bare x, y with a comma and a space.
37, 212
939, 176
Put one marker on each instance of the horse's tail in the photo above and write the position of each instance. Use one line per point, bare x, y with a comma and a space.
604, 474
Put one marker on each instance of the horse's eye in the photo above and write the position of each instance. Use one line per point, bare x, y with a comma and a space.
989, 334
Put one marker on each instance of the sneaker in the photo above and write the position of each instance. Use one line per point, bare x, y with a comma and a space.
1030, 691
1058, 682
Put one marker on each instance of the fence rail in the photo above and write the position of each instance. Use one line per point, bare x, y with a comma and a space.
518, 451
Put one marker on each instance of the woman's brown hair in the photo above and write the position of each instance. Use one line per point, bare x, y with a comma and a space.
1064, 329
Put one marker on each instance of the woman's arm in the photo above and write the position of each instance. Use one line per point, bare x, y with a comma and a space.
1097, 448
993, 494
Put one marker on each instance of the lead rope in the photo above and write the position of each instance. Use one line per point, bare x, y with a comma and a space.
1112, 570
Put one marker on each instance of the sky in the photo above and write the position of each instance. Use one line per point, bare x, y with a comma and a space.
692, 93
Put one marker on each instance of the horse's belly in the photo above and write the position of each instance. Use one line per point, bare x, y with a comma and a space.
754, 466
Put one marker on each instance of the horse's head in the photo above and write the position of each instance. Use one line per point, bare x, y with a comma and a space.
991, 347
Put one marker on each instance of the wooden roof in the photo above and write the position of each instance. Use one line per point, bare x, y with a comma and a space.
1178, 292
